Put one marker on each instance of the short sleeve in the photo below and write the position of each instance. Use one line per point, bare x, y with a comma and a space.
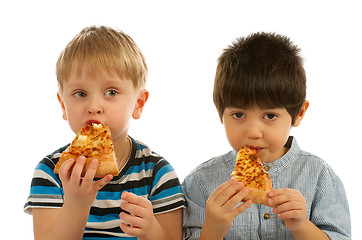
166, 192
330, 211
45, 189
194, 214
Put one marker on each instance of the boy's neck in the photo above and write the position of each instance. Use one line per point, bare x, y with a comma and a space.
122, 147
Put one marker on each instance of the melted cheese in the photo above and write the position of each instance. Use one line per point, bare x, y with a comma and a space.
249, 169
83, 139
92, 140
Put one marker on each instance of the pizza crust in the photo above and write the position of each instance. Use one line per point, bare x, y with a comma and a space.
106, 164
259, 196
250, 171
93, 141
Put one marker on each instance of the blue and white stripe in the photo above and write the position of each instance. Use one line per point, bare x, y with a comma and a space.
146, 174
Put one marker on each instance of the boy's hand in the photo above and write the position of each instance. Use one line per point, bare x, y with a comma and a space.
289, 205
80, 192
221, 210
140, 221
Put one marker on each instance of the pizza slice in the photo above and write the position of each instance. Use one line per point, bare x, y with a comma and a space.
93, 141
250, 171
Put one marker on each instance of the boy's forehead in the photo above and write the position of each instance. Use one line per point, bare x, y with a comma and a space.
83, 73
89, 71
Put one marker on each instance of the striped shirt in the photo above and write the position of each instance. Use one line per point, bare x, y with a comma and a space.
324, 193
146, 174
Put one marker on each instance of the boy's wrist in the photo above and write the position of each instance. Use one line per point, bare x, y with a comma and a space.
76, 210
309, 231
207, 233
303, 227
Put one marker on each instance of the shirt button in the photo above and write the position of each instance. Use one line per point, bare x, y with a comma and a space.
266, 216
267, 168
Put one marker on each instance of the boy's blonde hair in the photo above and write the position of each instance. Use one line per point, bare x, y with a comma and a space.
103, 48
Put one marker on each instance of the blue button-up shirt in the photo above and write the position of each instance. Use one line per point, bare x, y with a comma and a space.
324, 193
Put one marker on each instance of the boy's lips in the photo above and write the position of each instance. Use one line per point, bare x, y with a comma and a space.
258, 149
91, 121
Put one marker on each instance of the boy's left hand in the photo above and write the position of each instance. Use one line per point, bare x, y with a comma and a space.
140, 220
289, 205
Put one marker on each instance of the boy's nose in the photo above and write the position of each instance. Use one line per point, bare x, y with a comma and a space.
254, 131
95, 109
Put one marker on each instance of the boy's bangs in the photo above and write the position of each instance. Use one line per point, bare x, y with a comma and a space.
257, 93
95, 56
104, 50
98, 62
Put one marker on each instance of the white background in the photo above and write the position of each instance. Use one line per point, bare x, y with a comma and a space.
181, 42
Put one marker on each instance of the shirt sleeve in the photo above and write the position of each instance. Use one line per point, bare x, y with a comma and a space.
194, 214
166, 193
330, 211
45, 190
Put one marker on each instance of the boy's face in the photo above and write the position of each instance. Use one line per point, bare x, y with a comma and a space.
102, 96
267, 130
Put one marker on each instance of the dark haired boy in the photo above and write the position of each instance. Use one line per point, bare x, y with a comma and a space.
259, 92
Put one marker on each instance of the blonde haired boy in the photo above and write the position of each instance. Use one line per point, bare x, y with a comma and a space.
101, 77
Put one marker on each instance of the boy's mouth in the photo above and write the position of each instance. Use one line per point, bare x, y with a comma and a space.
258, 150
91, 121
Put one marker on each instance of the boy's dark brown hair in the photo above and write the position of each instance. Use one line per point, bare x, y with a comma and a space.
262, 69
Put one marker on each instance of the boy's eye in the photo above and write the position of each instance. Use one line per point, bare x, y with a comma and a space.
270, 116
111, 93
238, 115
80, 94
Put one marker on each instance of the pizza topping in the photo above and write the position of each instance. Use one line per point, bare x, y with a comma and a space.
93, 122
249, 169
93, 141
83, 138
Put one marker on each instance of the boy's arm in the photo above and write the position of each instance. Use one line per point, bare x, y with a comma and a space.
141, 222
171, 223
69, 221
59, 223
309, 231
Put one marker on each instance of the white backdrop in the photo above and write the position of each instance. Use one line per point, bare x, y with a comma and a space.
181, 42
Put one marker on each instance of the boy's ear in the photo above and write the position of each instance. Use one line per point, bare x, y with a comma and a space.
60, 99
301, 114
141, 101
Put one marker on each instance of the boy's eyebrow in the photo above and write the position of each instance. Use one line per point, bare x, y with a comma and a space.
72, 85
264, 109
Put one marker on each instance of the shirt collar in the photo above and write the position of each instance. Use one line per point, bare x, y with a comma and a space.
287, 159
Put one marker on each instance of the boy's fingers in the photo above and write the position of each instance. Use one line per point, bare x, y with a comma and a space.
65, 169
277, 200
91, 172
237, 198
221, 188
78, 168
277, 192
285, 207
103, 182
130, 230
229, 192
226, 190
240, 209
133, 198
281, 196
133, 209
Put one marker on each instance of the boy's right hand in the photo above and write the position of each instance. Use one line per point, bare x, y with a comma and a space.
221, 210
80, 192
